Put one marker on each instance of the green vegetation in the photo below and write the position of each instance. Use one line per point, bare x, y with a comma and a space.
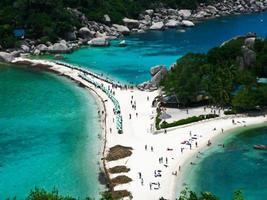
41, 194
219, 78
187, 121
49, 19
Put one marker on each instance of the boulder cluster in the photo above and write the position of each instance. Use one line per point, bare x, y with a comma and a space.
98, 34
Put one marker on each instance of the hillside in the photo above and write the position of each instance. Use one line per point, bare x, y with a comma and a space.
50, 20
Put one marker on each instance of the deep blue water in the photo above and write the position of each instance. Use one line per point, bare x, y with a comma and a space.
48, 135
236, 167
132, 63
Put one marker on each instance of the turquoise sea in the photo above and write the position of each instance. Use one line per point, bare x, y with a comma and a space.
236, 167
45, 140
132, 63
49, 126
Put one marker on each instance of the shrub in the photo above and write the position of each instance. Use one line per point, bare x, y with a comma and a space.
187, 120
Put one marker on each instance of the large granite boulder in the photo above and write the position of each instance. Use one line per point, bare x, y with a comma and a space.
185, 13
187, 23
149, 12
158, 76
122, 29
249, 58
6, 57
131, 23
154, 70
172, 23
249, 42
85, 33
42, 48
25, 48
157, 26
60, 47
101, 41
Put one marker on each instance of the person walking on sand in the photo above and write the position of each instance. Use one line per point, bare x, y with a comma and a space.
152, 149
150, 186
140, 175
145, 147
196, 144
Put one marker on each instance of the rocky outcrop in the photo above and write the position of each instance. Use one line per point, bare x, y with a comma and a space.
42, 48
157, 26
131, 23
250, 41
155, 81
122, 29
60, 47
6, 57
100, 42
187, 23
185, 14
85, 33
154, 70
172, 23
249, 58
25, 48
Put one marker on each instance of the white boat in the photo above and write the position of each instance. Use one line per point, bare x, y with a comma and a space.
122, 43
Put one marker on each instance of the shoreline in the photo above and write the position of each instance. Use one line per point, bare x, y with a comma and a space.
208, 150
138, 134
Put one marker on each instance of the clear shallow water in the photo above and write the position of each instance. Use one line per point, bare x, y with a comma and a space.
132, 63
45, 138
236, 167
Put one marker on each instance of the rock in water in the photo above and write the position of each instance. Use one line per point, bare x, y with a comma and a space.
122, 29
59, 48
172, 23
101, 41
157, 26
187, 23
6, 57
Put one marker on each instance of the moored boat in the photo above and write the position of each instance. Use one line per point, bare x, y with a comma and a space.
122, 43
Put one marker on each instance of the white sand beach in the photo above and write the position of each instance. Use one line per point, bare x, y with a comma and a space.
151, 150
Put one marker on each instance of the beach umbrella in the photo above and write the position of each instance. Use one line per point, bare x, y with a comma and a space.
164, 116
